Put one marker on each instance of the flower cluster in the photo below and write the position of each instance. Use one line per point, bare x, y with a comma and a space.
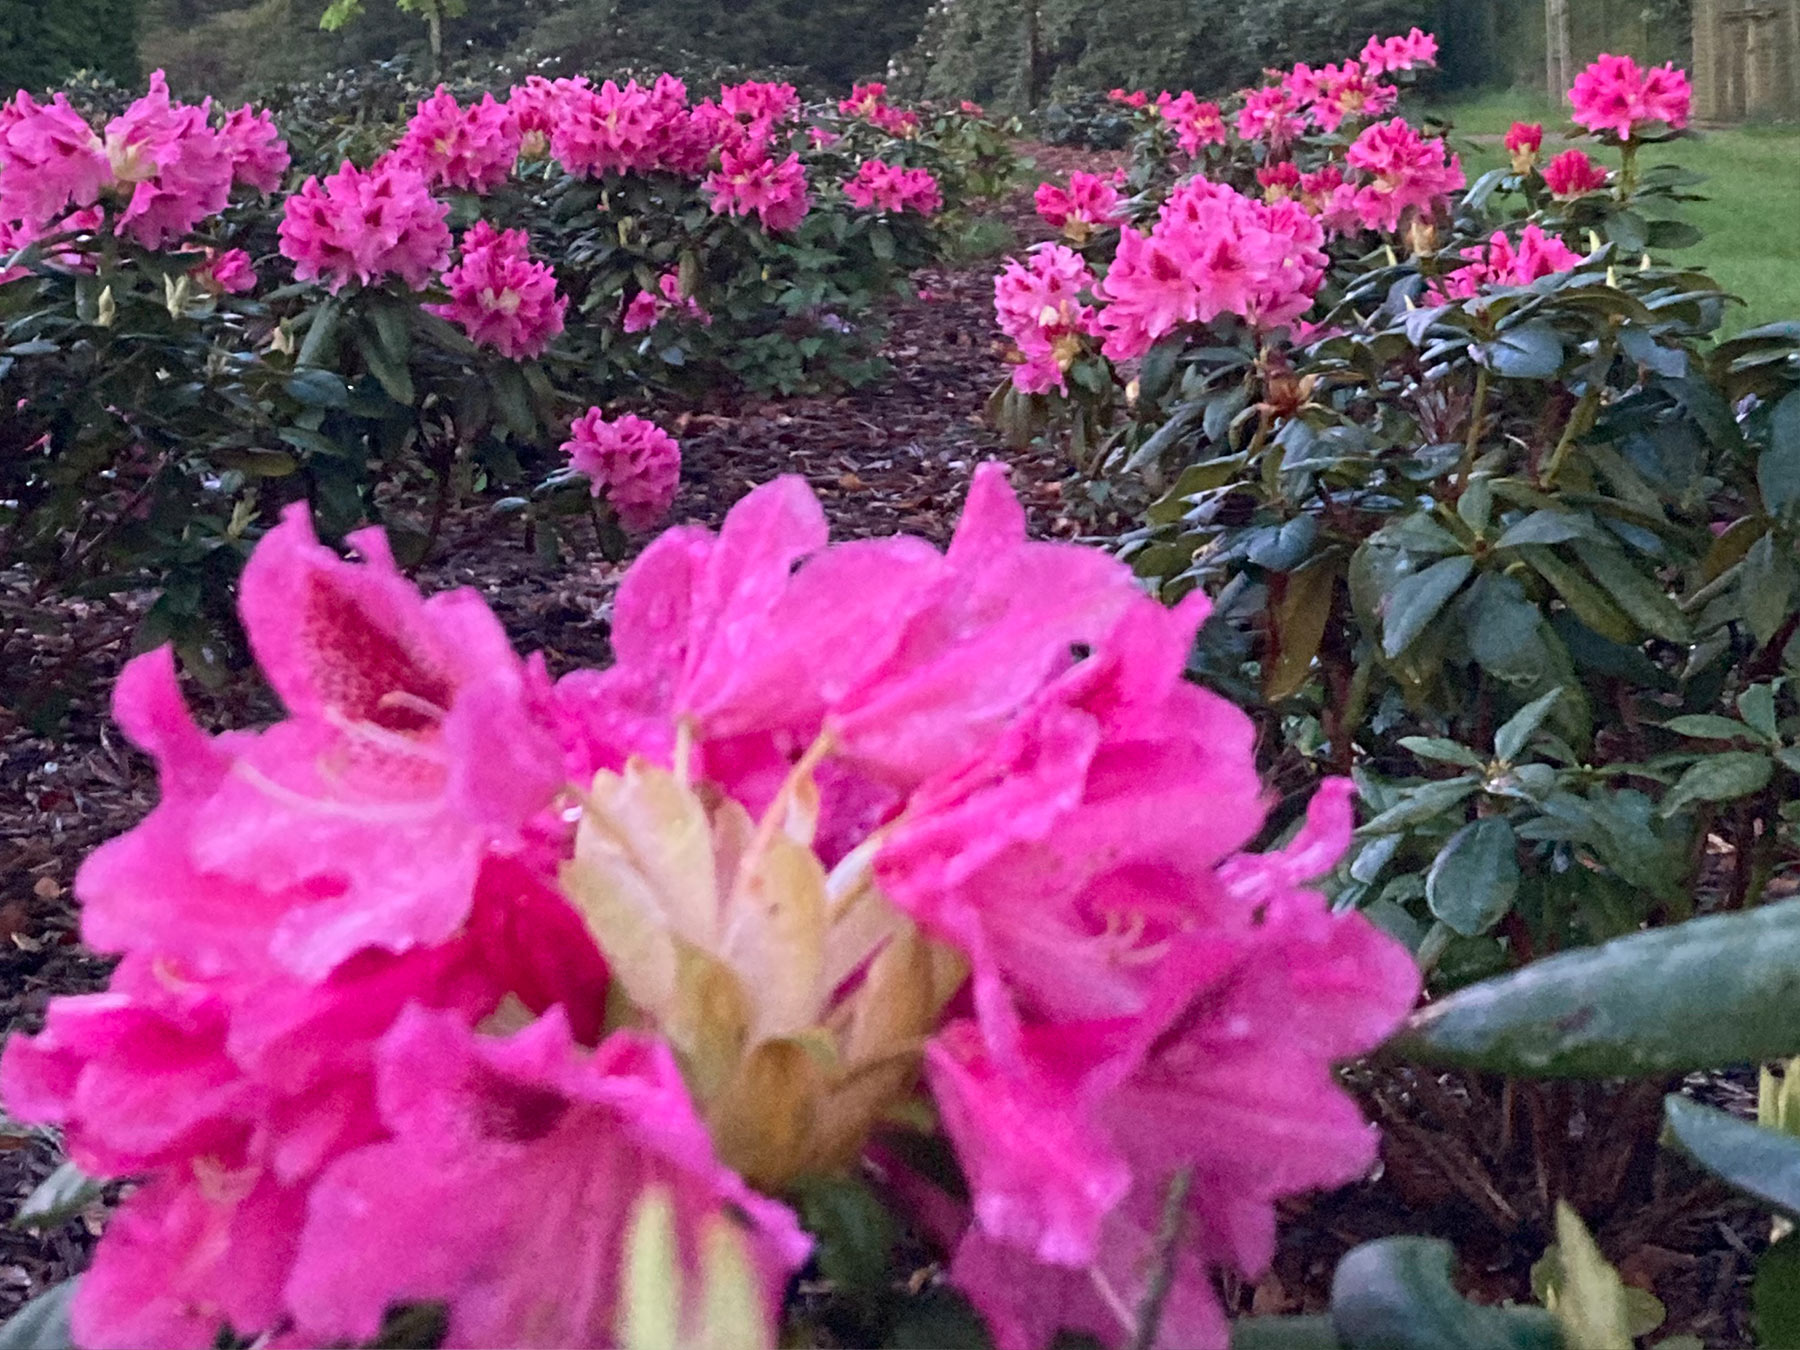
1415, 51
879, 186
1091, 202
753, 182
1616, 95
428, 985
628, 128
1572, 174
258, 153
361, 226
1402, 172
1197, 124
1212, 251
1272, 116
1349, 92
648, 308
500, 297
472, 149
634, 462
869, 103
225, 273
1039, 306
1524, 142
1499, 263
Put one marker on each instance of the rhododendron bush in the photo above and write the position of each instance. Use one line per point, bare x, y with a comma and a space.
425, 988
198, 330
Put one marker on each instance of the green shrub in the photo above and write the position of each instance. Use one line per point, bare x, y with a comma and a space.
41, 43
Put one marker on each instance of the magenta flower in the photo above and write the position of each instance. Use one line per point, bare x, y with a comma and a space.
1572, 174
259, 155
229, 272
1617, 95
50, 160
1524, 142
1270, 115
753, 183
1039, 306
362, 226
634, 462
1197, 125
500, 297
472, 149
1349, 93
180, 170
879, 186
1405, 173
648, 308
1414, 51
1089, 203
1499, 263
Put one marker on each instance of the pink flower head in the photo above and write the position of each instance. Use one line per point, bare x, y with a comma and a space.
864, 99
1617, 95
259, 156
1212, 251
627, 129
879, 186
759, 104
753, 183
75, 255
1270, 115
537, 107
1038, 305
1572, 174
179, 168
1303, 83
1412, 52
1408, 173
1137, 98
1197, 125
1350, 93
1280, 180
648, 308
226, 273
1524, 141
50, 160
471, 149
1090, 203
364, 225
500, 297
1498, 263
971, 109
523, 1159
633, 461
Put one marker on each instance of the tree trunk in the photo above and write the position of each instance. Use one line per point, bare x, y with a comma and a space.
1559, 66
434, 34
1033, 55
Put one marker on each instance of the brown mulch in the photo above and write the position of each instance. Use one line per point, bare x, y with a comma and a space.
894, 457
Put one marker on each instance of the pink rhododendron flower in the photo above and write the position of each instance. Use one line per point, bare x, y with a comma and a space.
627, 129
1197, 125
472, 149
1572, 174
1617, 95
1524, 141
1038, 305
1089, 203
879, 186
226, 273
1270, 115
753, 183
179, 169
259, 156
1408, 173
500, 297
1137, 98
869, 103
536, 107
363, 226
971, 109
634, 462
71, 256
759, 104
1350, 92
648, 308
50, 160
1498, 263
1280, 180
522, 1159
1417, 49
1212, 251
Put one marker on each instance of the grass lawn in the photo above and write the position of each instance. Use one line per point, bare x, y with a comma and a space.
1752, 221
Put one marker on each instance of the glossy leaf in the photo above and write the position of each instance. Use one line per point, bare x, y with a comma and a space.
1722, 777
1474, 879
43, 1323
1396, 1294
1418, 599
1762, 1163
61, 1196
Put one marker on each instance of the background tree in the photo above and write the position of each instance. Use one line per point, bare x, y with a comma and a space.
433, 12
42, 41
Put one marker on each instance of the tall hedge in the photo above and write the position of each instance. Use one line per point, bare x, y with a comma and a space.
43, 41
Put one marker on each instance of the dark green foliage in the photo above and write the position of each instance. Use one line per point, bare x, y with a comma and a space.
43, 41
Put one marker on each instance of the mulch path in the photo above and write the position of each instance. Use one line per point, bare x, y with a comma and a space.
894, 457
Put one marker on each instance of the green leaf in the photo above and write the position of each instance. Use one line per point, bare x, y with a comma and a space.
1641, 597
1443, 751
62, 1195
1421, 803
394, 376
1549, 526
1778, 467
1762, 1163
1767, 584
319, 333
1757, 707
1775, 1296
1532, 351
1418, 599
43, 1323
1587, 1298
1396, 1294
1708, 727
1587, 601
856, 1233
1518, 729
1474, 880
1723, 777
1718, 990
1283, 1333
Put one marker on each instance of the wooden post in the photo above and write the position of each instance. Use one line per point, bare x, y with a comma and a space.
1559, 66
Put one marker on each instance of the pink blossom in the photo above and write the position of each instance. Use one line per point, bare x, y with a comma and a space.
879, 186
1408, 173
1038, 305
226, 273
1137, 98
863, 100
1280, 180
1498, 263
1197, 125
1617, 95
759, 104
634, 462
522, 1159
362, 226
72, 256
1089, 203
50, 160
1572, 174
753, 183
971, 109
1270, 115
259, 156
627, 129
1349, 92
1417, 49
648, 308
179, 169
869, 103
471, 149
500, 297
1524, 141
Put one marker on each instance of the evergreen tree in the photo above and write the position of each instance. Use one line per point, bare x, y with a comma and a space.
44, 41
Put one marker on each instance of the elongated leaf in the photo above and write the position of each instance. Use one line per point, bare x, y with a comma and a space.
1300, 620
1396, 1294
1589, 1298
1762, 1163
1641, 597
1474, 880
1421, 803
1550, 526
1778, 469
1532, 351
1588, 602
1709, 727
43, 1323
1418, 599
1713, 991
1720, 778
1443, 751
1518, 730
62, 1195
